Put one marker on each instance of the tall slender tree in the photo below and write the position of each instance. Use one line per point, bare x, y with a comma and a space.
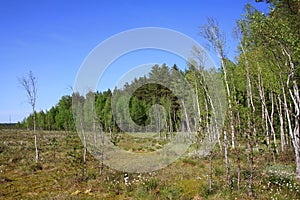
29, 84
212, 33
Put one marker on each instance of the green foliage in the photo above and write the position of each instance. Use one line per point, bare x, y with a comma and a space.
152, 184
189, 161
171, 192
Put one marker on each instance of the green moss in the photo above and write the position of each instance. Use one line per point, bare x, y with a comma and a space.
22, 178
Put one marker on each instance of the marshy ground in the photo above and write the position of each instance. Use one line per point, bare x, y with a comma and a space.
59, 173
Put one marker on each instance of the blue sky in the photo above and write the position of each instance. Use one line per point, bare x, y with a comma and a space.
52, 38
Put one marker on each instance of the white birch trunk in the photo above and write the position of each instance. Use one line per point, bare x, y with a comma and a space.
296, 100
227, 158
229, 103
271, 121
186, 118
282, 136
35, 137
84, 146
249, 126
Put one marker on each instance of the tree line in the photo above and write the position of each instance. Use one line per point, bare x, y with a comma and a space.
60, 116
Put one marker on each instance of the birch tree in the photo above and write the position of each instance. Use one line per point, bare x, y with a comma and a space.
212, 33
29, 84
278, 34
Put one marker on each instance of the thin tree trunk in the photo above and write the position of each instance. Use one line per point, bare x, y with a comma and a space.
271, 121
282, 136
35, 137
212, 33
250, 163
158, 128
36, 148
94, 126
170, 123
208, 99
197, 98
84, 156
296, 100
29, 85
175, 122
84, 147
186, 117
211, 170
249, 124
264, 107
227, 158
250, 153
229, 102
238, 168
102, 153
285, 106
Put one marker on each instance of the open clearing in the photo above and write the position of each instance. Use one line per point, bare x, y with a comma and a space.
58, 175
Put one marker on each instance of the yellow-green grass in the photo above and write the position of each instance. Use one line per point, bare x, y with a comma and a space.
59, 172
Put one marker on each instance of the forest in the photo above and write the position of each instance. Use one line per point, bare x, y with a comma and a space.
259, 120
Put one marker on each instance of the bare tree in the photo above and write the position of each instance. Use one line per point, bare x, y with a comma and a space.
29, 84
